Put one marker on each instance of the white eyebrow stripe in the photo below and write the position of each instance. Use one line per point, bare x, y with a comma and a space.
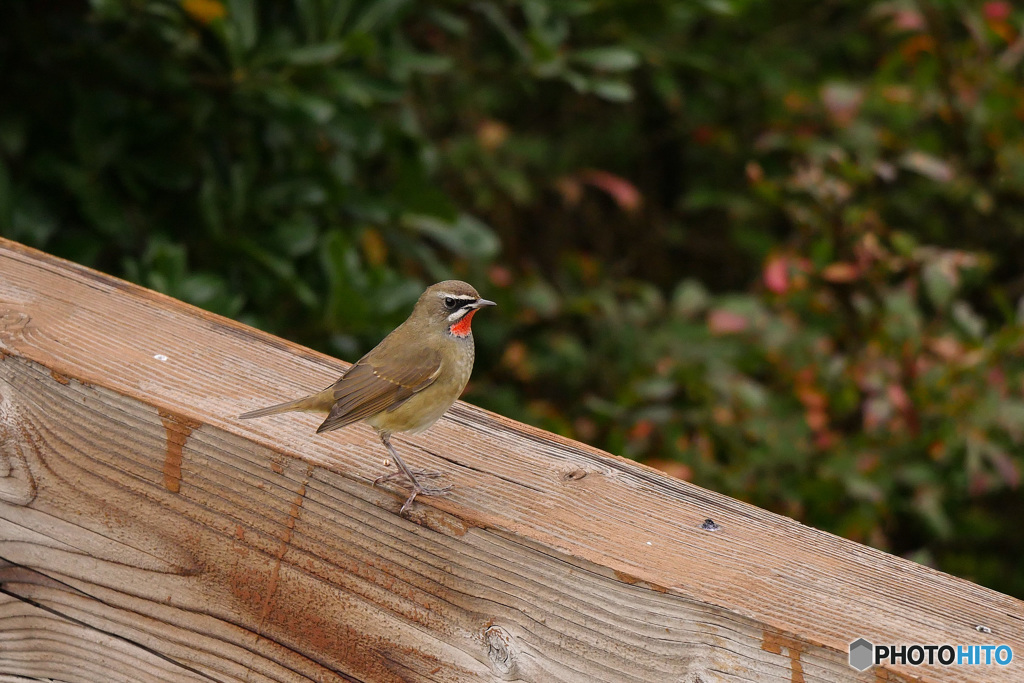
462, 298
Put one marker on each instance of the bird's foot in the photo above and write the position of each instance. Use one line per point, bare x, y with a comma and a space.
418, 490
419, 474
413, 482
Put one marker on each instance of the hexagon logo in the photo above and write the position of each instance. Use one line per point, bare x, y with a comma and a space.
862, 654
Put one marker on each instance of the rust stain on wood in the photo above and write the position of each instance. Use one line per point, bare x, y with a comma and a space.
774, 642
178, 430
314, 616
636, 581
286, 539
310, 617
626, 578
59, 377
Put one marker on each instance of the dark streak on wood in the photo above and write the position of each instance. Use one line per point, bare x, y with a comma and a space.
286, 538
775, 642
178, 430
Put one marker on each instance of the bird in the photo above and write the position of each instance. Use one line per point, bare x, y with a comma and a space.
408, 381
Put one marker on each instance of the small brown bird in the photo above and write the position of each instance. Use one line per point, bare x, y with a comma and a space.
406, 382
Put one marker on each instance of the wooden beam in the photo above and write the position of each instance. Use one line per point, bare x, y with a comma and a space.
147, 534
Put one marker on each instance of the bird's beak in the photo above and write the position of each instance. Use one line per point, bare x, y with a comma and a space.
480, 303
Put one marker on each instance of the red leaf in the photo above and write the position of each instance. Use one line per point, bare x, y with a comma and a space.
641, 430
500, 276
621, 190
997, 11
776, 274
721, 321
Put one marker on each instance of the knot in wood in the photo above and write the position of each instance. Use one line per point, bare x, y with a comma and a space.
17, 486
574, 474
501, 651
13, 323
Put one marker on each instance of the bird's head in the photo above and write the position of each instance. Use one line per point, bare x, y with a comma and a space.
450, 305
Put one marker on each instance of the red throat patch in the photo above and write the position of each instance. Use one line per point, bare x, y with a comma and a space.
461, 328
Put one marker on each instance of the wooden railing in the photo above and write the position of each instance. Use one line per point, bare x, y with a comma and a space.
148, 535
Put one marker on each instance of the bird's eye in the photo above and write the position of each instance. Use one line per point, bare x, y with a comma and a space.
449, 302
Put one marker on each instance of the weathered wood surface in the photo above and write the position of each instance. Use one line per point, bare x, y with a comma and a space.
148, 535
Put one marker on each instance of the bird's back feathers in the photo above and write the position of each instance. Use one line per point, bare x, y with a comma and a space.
382, 380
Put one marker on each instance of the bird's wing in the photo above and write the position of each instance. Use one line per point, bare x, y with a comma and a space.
374, 384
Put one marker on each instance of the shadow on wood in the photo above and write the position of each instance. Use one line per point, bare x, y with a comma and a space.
148, 535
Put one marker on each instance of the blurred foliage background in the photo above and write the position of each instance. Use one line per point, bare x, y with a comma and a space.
773, 248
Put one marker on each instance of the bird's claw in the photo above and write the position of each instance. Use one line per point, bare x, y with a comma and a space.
411, 479
426, 491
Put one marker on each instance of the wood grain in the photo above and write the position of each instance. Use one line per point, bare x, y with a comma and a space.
146, 534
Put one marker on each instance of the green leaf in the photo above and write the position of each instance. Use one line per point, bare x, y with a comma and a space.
607, 58
421, 62
493, 13
375, 14
298, 236
578, 81
968, 320
466, 236
336, 16
309, 55
613, 91
449, 21
242, 28
722, 7
690, 298
323, 20
938, 284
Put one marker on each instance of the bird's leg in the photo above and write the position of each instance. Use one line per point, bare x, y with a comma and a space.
412, 474
417, 488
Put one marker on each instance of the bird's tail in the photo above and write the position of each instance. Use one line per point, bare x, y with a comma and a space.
316, 403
